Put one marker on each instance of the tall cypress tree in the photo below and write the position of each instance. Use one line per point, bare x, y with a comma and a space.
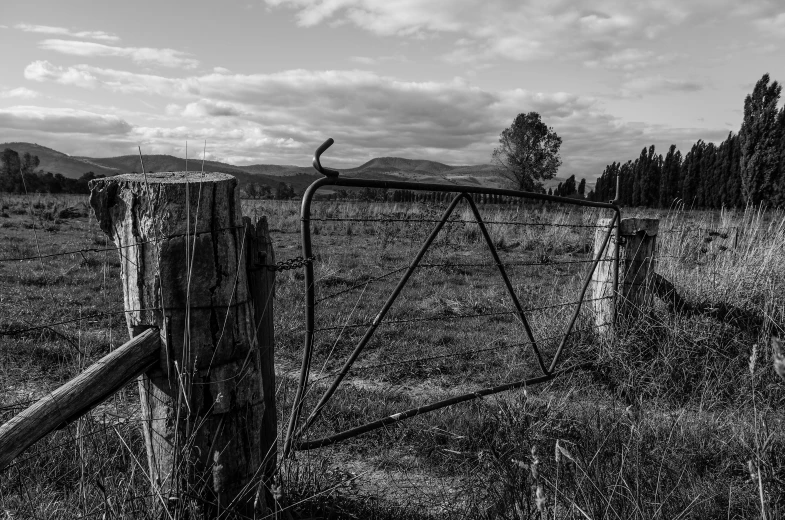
778, 198
690, 175
669, 177
707, 191
650, 182
758, 138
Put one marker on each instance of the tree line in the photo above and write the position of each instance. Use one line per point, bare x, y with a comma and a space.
747, 168
19, 175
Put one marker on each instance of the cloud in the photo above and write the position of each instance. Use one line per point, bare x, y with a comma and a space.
632, 59
511, 29
44, 71
141, 55
62, 31
774, 25
363, 60
20, 93
367, 60
658, 85
206, 107
282, 117
61, 120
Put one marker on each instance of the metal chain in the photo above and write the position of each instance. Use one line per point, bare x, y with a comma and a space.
293, 263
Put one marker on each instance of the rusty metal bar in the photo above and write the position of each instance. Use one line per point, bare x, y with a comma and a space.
375, 425
380, 316
332, 178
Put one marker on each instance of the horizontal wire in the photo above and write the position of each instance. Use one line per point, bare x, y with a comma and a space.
463, 352
113, 313
430, 220
511, 264
12, 332
361, 284
71, 440
459, 316
116, 248
450, 264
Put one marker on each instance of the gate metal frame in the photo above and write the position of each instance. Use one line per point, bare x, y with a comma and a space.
463, 193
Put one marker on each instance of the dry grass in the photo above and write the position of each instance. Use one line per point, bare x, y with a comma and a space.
668, 425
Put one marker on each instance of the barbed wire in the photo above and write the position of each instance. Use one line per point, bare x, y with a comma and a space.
460, 353
13, 332
451, 221
361, 284
117, 248
541, 262
126, 422
448, 317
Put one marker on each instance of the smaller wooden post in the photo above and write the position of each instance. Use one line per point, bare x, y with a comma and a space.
638, 237
261, 285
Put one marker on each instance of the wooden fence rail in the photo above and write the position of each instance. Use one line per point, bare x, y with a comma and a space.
79, 395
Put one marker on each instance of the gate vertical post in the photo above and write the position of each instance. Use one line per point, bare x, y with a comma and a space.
638, 237
261, 284
637, 264
182, 245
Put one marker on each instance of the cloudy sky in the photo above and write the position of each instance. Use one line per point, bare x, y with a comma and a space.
266, 81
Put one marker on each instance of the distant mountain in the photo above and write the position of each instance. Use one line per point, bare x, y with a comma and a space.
58, 162
383, 164
381, 168
158, 163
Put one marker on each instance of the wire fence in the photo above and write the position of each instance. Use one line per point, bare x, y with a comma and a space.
383, 259
451, 329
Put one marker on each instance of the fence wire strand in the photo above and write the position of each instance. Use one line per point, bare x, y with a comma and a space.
117, 248
453, 221
460, 353
448, 317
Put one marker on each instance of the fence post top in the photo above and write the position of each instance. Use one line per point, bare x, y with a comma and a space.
635, 226
190, 177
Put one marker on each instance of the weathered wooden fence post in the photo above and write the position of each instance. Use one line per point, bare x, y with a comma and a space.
638, 237
182, 243
261, 283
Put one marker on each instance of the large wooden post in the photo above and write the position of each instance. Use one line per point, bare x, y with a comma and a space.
638, 237
182, 243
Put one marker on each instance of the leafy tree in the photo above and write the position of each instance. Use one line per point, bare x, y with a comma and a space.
582, 188
284, 191
29, 163
528, 152
758, 136
11, 163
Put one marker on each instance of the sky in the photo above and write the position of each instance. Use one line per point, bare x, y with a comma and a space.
267, 81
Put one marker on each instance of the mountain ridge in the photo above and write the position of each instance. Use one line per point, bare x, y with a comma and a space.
380, 168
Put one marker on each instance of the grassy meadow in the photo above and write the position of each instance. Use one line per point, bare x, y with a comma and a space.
680, 416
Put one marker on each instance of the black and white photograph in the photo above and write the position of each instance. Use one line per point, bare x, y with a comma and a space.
392, 259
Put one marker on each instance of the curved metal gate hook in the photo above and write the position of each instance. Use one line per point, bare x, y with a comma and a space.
318, 165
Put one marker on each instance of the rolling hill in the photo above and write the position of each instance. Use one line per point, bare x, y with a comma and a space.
380, 168
58, 162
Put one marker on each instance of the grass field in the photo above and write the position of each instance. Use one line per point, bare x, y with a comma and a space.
680, 417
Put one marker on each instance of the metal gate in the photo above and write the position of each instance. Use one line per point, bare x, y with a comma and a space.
548, 368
